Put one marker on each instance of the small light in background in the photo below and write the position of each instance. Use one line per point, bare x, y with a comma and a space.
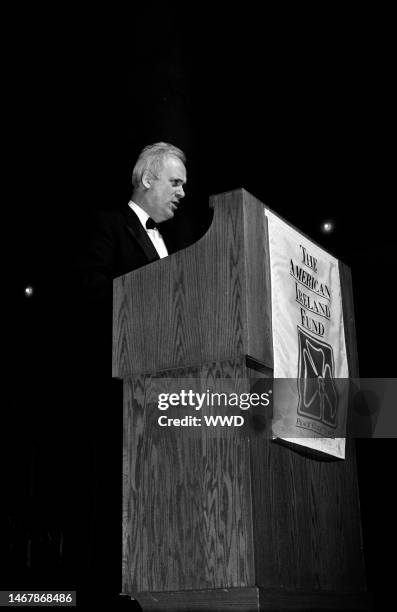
327, 227
28, 291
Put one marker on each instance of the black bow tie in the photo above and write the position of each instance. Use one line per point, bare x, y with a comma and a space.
151, 224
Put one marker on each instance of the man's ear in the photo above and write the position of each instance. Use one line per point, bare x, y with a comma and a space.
147, 179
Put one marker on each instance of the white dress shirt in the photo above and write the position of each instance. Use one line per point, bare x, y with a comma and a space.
153, 234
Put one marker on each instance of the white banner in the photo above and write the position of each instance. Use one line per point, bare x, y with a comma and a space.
310, 404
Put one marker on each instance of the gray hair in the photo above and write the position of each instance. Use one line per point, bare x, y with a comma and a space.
152, 159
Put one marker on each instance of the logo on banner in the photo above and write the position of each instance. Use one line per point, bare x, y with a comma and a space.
318, 398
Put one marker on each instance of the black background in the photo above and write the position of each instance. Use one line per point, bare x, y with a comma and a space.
296, 108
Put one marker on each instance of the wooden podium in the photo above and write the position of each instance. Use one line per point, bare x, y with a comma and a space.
224, 520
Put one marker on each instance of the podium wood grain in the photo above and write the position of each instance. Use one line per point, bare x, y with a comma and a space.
187, 520
224, 514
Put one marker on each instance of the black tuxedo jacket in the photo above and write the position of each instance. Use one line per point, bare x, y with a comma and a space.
119, 244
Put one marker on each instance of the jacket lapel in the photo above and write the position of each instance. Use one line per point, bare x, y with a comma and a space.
134, 227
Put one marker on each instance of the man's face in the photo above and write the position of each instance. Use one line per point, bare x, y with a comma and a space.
165, 192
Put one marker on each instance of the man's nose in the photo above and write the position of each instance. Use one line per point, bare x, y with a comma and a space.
180, 192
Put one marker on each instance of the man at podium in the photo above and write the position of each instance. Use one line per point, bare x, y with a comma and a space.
128, 239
